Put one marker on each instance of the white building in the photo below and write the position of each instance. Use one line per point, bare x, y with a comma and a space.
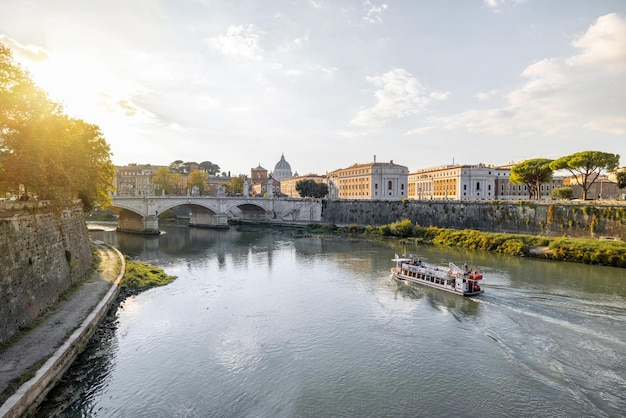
471, 182
372, 181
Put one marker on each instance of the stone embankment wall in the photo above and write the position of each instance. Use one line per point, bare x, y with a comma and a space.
41, 255
585, 219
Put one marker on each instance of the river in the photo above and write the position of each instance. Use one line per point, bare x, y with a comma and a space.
271, 323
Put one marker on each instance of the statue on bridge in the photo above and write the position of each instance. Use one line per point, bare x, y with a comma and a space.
270, 187
149, 189
246, 188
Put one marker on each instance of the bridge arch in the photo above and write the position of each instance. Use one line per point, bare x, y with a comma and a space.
140, 214
249, 212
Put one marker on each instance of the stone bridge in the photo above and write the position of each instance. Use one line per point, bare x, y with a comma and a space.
141, 214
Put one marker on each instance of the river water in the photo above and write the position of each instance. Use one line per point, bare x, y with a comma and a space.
269, 323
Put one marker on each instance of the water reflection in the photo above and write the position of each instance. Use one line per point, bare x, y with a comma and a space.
87, 377
274, 323
457, 306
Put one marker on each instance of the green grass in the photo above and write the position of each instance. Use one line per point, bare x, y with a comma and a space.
579, 250
141, 276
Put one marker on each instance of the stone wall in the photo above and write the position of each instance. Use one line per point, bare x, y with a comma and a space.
589, 220
41, 255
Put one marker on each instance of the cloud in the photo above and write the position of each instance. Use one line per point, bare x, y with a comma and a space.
496, 5
126, 107
398, 95
437, 95
481, 95
419, 131
564, 95
300, 42
28, 52
603, 44
611, 125
373, 12
239, 41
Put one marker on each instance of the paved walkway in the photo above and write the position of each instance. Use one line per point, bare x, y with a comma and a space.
50, 348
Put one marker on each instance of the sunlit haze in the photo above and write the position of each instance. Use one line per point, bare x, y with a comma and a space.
332, 83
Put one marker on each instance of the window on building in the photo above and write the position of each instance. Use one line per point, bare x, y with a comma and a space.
477, 186
389, 185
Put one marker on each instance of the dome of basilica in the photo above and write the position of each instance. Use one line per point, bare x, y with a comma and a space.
282, 170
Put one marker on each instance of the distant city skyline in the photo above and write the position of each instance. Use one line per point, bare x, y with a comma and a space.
330, 84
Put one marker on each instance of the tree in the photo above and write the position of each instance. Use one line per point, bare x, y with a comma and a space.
198, 179
235, 186
189, 166
210, 168
165, 180
586, 166
562, 193
23, 106
176, 166
621, 179
533, 173
53, 156
309, 188
87, 158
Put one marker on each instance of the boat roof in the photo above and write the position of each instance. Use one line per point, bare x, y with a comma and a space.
401, 259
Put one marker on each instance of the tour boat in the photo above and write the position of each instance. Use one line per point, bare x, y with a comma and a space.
463, 282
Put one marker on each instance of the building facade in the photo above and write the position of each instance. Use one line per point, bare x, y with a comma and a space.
288, 186
134, 180
259, 181
371, 181
602, 188
471, 182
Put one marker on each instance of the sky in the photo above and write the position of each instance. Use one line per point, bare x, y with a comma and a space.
331, 83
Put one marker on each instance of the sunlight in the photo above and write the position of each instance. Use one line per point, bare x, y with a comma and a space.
86, 90
91, 92
73, 82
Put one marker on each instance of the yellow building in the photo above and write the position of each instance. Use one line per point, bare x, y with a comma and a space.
134, 179
288, 186
371, 181
471, 182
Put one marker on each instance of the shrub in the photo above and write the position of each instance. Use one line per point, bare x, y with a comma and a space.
610, 253
562, 193
384, 230
403, 228
139, 276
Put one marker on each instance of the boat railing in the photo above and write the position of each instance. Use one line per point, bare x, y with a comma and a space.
425, 269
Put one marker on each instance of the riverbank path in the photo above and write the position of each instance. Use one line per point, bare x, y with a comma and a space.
43, 353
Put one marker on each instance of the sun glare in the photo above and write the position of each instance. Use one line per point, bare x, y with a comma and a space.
73, 82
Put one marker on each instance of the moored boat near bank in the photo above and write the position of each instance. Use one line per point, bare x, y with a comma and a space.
463, 282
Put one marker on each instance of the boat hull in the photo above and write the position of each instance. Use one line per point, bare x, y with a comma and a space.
402, 278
